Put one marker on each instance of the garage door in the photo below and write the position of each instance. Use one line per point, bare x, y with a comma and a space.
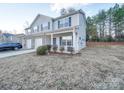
28, 44
38, 42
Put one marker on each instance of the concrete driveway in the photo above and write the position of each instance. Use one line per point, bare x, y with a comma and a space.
4, 54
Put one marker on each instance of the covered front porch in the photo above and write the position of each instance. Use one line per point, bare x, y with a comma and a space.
66, 39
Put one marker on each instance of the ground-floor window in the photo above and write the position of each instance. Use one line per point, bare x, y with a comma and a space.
69, 42
54, 41
66, 41
63, 43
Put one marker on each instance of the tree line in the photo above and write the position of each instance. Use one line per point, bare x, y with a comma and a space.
107, 25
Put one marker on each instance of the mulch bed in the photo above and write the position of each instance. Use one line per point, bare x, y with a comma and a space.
59, 53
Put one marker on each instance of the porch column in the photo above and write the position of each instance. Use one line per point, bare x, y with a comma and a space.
51, 39
74, 40
58, 42
45, 39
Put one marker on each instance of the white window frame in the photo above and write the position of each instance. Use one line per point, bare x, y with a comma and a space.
35, 29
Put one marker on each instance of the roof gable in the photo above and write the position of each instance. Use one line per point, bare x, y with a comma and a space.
37, 17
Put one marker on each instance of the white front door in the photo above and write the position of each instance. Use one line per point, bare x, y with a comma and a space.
28, 43
38, 42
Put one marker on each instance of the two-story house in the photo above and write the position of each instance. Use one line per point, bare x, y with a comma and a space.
67, 30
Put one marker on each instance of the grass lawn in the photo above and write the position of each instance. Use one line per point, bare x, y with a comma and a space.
95, 68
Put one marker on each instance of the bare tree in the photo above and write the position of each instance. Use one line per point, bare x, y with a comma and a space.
71, 10
0, 31
63, 11
26, 24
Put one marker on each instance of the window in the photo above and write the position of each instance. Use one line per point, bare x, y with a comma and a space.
32, 30
58, 24
69, 21
60, 40
54, 41
63, 42
66, 22
69, 42
79, 38
61, 23
41, 27
37, 28
48, 25
45, 26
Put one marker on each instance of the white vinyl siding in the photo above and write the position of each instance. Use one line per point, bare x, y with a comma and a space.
41, 24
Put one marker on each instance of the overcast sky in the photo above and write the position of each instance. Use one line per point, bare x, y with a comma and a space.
13, 16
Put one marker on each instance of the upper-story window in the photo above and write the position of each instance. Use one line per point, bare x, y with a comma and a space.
65, 22
69, 21
58, 24
41, 27
45, 26
48, 25
35, 29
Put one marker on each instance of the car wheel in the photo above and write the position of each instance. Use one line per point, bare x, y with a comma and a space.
16, 48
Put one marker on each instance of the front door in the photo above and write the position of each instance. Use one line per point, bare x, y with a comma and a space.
54, 41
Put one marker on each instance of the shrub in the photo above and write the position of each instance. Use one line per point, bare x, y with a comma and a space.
71, 49
106, 39
55, 48
119, 39
110, 39
41, 50
94, 38
62, 48
49, 48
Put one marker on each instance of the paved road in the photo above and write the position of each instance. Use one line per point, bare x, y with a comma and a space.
4, 54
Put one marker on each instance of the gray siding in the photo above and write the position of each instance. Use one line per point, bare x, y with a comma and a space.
82, 31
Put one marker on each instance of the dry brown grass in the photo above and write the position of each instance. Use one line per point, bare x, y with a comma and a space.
95, 68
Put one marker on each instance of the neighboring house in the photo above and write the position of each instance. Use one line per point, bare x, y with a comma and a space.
20, 38
7, 37
67, 30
